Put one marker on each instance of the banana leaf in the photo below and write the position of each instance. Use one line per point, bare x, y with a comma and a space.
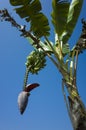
65, 49
64, 17
19, 2
59, 15
73, 15
30, 10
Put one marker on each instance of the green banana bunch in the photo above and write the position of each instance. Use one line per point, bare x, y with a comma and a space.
36, 61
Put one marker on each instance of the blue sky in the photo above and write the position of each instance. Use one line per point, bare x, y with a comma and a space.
46, 109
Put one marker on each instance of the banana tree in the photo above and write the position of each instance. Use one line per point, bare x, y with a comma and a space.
64, 17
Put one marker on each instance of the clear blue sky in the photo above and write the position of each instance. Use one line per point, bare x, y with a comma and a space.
46, 109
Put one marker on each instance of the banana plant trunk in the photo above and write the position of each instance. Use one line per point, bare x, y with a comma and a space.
75, 107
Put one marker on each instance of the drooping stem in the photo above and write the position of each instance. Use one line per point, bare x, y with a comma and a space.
26, 78
4, 15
